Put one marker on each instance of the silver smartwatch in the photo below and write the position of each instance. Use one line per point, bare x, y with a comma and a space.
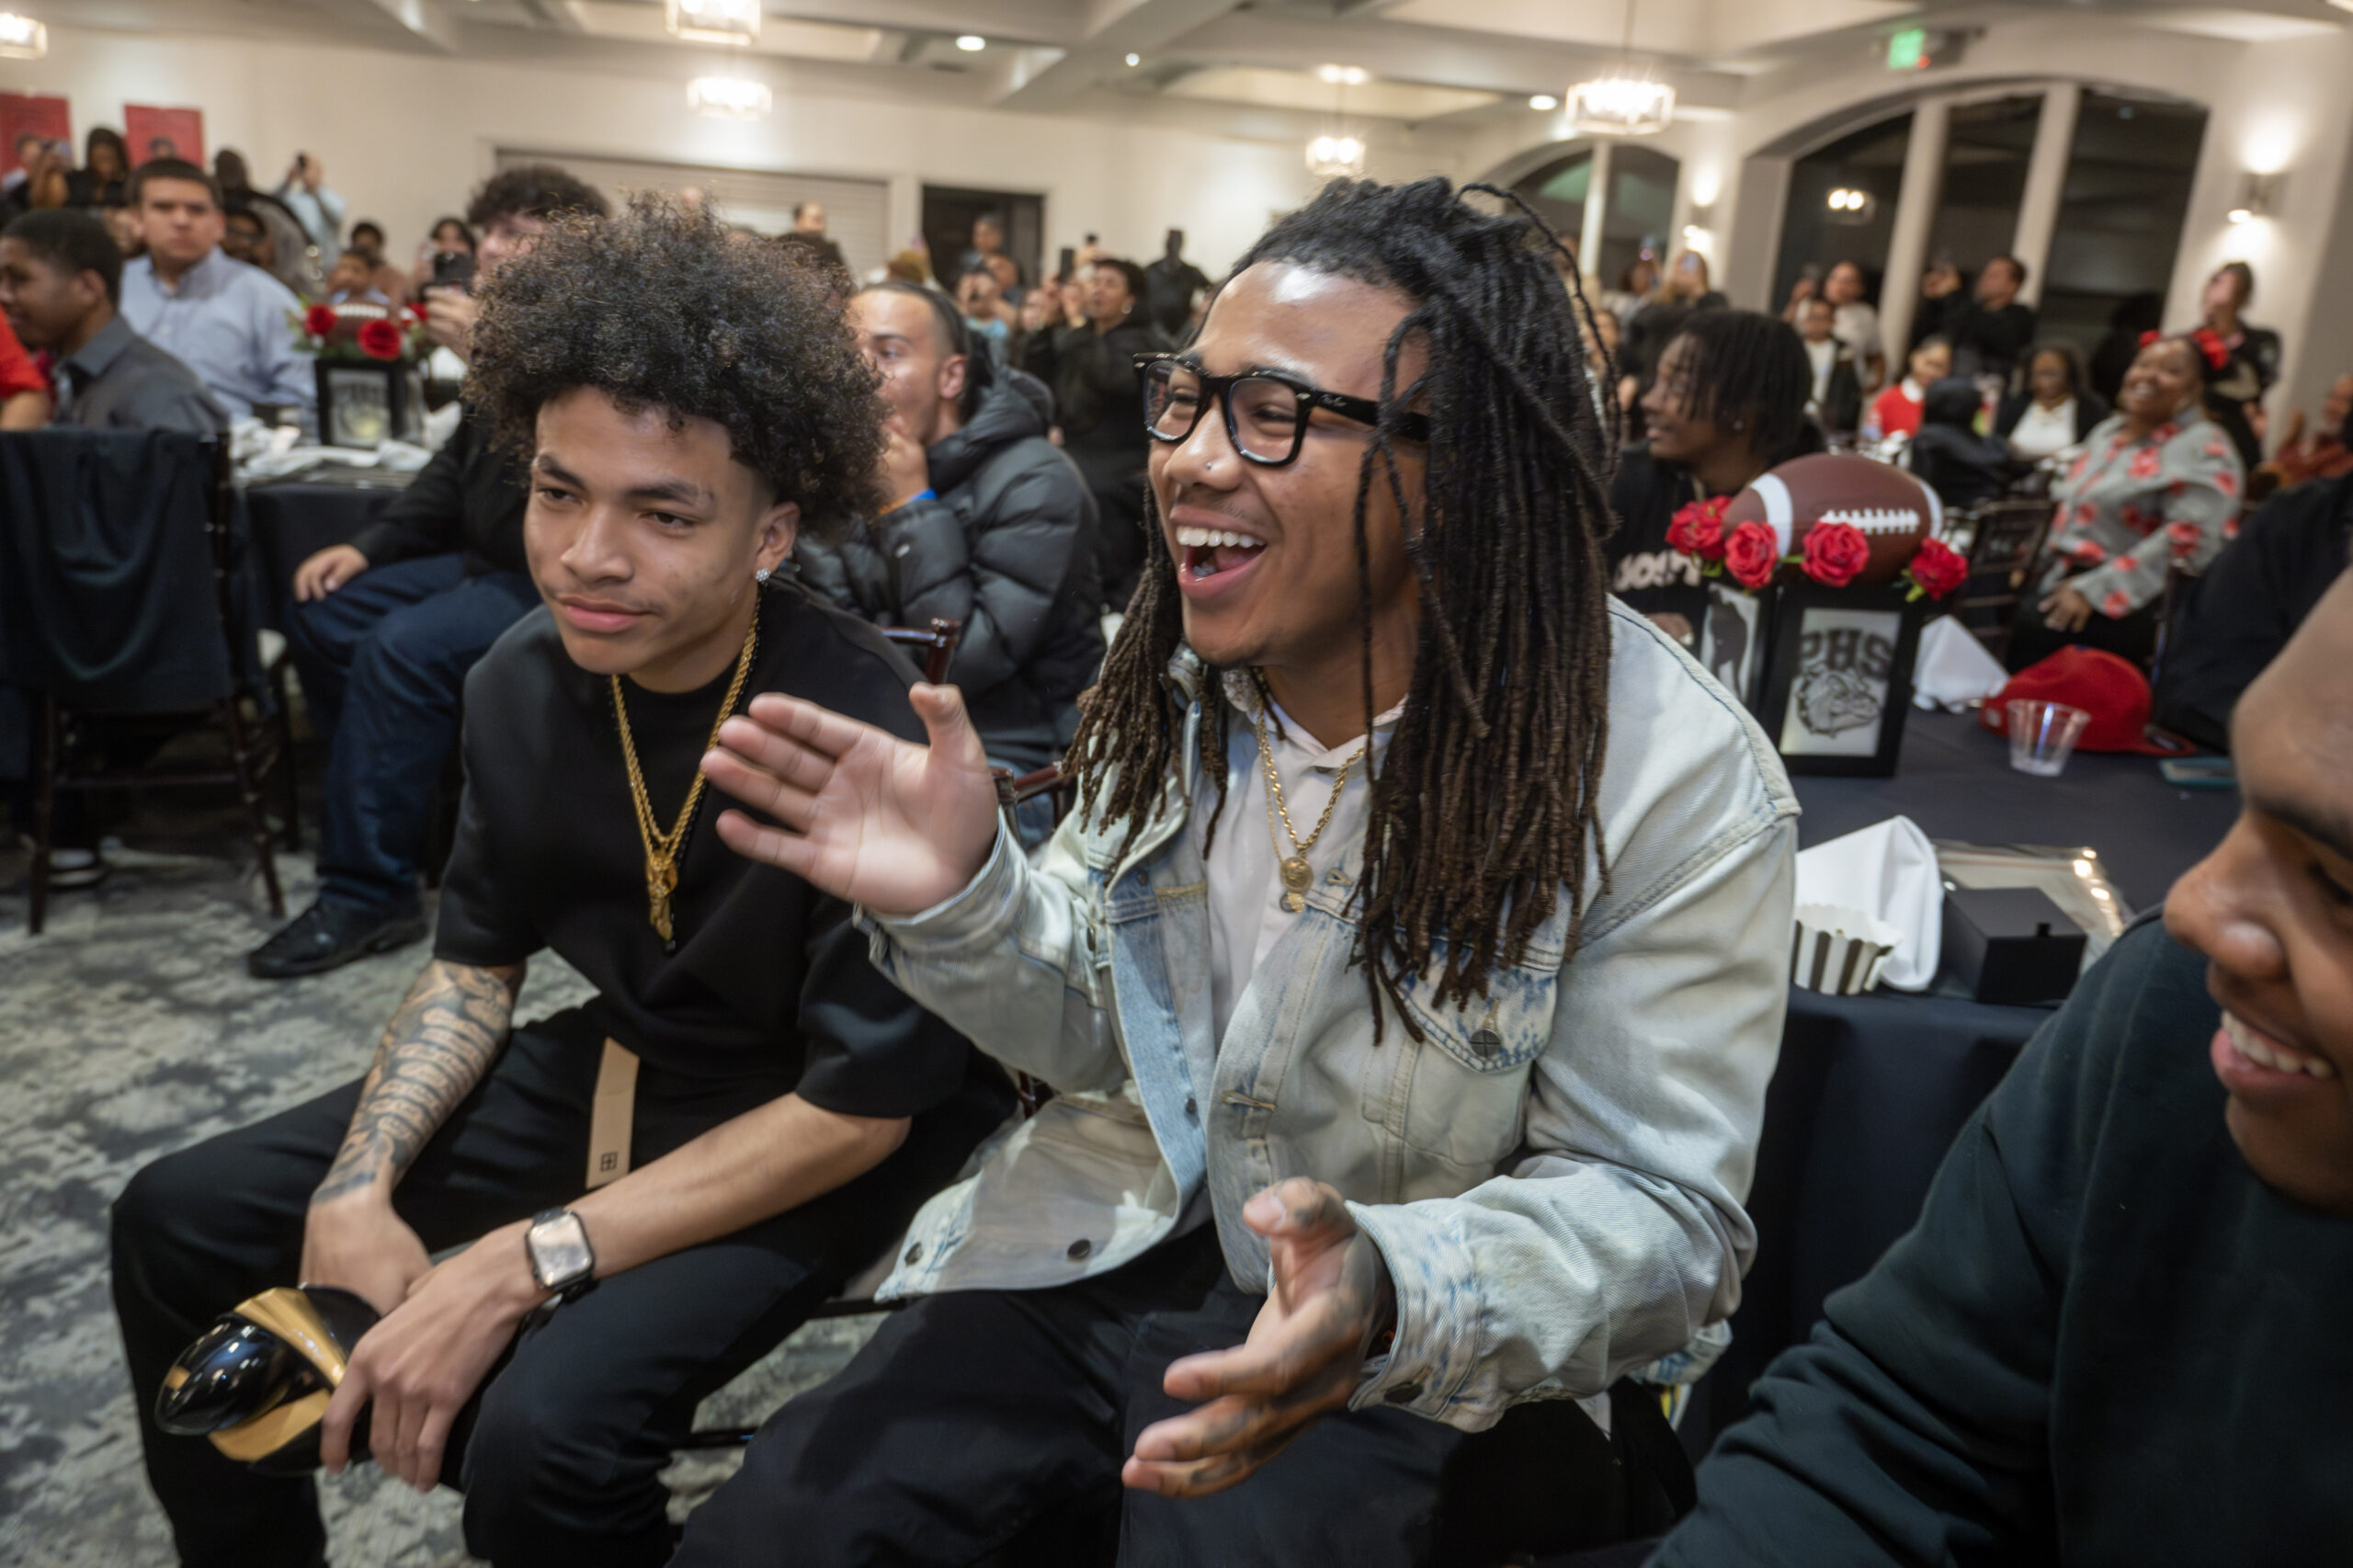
562, 1263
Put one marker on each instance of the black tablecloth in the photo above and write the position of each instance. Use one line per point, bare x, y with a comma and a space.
1871, 1089
294, 518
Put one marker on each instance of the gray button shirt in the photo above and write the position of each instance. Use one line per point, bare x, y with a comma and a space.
118, 381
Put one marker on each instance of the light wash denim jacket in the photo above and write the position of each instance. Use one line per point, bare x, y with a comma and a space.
1555, 1210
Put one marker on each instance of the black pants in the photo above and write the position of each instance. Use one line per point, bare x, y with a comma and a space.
559, 1452
989, 1426
2132, 636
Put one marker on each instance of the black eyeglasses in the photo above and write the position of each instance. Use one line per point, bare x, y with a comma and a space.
1266, 411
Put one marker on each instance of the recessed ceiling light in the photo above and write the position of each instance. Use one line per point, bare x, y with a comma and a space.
971, 43
1135, 58
1544, 101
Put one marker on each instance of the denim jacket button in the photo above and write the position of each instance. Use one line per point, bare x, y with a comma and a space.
1404, 1393
915, 1253
1192, 1107
1486, 1043
1079, 1250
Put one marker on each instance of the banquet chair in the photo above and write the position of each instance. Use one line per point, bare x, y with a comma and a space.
2007, 539
935, 643
124, 606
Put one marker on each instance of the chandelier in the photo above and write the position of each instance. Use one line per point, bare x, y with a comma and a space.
730, 97
714, 21
22, 38
1621, 104
1338, 155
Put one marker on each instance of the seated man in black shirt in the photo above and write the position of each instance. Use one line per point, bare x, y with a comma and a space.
385, 628
1727, 405
2117, 1335
791, 1106
2243, 609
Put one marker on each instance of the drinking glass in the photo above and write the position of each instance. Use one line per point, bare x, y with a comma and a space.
2042, 735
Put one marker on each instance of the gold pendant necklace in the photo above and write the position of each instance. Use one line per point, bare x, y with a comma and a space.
662, 849
1296, 873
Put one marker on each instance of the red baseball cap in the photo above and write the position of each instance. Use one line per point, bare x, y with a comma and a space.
2111, 689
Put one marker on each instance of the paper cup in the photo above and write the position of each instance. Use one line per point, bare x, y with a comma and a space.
1842, 951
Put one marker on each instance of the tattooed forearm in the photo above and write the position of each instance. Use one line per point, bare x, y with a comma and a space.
435, 1050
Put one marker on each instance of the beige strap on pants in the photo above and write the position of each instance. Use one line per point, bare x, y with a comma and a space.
608, 1120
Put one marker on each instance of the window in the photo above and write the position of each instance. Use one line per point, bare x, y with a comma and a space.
1558, 191
1842, 205
1641, 203
2120, 219
1984, 179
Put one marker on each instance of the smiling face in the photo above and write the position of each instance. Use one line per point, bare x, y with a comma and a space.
2161, 384
644, 539
2272, 910
1678, 432
1266, 557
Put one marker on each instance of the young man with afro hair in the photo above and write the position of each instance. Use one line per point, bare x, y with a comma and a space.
385, 627
684, 403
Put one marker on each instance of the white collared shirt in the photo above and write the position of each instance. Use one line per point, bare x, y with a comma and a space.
2041, 431
1245, 886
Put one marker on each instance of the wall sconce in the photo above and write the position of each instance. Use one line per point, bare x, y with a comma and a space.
2258, 197
22, 38
1849, 205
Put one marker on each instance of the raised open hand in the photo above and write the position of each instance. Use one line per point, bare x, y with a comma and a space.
865, 815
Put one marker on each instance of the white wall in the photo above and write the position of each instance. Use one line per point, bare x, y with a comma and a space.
405, 137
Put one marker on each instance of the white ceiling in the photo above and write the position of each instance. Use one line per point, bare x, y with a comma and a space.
1428, 62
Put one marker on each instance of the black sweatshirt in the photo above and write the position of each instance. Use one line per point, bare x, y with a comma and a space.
2105, 1343
469, 500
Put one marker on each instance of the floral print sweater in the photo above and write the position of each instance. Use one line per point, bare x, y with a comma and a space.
2129, 509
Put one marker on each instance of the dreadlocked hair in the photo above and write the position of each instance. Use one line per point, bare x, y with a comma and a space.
1483, 803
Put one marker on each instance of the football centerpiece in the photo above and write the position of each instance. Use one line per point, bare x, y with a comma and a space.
1819, 575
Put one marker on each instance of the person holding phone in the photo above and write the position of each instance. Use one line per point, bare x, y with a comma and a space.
317, 207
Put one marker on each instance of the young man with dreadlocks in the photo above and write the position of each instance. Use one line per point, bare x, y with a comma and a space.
1411, 973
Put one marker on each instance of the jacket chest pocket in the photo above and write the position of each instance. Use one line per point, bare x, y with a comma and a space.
1460, 1094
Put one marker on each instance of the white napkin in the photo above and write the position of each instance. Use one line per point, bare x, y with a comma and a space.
1954, 668
1888, 871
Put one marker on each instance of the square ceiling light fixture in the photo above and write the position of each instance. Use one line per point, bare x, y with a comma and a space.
730, 97
22, 38
1623, 103
714, 21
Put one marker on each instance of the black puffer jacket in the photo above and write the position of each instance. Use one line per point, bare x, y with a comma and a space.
1006, 550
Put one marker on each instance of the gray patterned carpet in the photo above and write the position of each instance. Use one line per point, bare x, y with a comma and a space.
129, 1029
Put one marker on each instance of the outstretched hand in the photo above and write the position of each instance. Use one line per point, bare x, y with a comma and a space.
863, 814
1332, 1298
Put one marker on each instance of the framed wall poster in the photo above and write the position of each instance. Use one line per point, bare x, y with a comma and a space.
1838, 677
23, 114
164, 133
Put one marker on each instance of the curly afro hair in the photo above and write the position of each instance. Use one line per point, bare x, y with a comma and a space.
534, 190
666, 309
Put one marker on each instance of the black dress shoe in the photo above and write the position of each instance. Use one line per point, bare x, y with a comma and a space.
328, 936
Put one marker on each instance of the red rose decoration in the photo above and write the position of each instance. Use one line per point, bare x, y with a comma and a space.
319, 320
1835, 553
1939, 568
1752, 555
382, 339
1698, 528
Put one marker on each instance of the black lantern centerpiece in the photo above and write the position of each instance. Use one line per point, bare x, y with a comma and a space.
1818, 577
370, 362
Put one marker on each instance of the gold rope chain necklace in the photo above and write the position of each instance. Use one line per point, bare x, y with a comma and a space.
1296, 873
662, 849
